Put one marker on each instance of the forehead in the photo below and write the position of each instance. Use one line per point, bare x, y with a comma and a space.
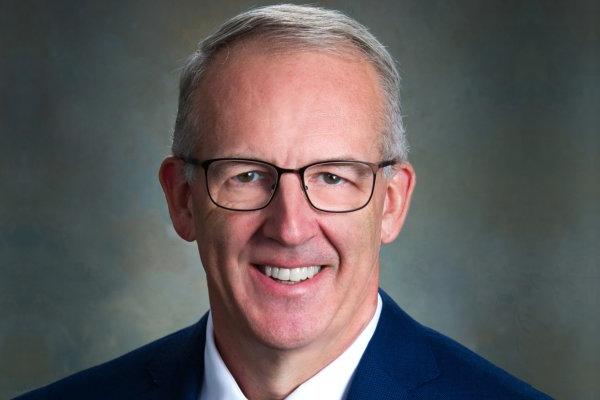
250, 96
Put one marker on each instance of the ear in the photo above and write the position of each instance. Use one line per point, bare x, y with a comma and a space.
178, 194
399, 189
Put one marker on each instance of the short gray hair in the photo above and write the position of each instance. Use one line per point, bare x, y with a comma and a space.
292, 27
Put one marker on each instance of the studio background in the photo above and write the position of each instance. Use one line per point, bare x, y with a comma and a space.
501, 247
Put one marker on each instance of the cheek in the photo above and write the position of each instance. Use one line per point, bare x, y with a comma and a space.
356, 236
223, 235
221, 242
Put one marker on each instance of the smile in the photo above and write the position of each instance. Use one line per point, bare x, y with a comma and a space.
290, 275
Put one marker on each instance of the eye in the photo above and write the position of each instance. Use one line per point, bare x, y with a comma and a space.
248, 177
331, 179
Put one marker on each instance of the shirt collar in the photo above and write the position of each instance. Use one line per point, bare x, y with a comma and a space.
331, 382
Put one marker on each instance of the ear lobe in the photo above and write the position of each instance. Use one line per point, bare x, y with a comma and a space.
397, 201
178, 195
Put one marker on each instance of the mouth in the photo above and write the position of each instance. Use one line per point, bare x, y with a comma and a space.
289, 276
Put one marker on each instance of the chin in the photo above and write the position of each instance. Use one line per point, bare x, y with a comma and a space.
286, 333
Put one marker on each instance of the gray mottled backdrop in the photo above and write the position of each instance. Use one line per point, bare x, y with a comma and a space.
501, 249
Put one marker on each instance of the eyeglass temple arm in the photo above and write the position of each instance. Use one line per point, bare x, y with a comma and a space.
189, 160
387, 163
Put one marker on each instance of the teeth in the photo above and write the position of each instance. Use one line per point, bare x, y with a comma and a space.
291, 274
295, 274
284, 274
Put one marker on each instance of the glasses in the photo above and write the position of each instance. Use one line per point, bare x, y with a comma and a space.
247, 185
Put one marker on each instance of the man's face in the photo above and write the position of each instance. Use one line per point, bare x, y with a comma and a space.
291, 110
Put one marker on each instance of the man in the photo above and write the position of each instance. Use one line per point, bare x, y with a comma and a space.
289, 170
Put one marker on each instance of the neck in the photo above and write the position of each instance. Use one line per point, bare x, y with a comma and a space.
263, 372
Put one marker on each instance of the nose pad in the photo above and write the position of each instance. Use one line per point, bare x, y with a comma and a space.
305, 193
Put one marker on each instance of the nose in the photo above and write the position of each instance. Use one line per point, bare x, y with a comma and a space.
290, 218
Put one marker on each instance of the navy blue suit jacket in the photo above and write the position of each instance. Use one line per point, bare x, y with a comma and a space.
403, 360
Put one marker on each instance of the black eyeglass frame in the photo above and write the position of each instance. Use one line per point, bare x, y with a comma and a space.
375, 167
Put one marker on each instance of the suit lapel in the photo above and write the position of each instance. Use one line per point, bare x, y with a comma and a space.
177, 370
192, 370
397, 359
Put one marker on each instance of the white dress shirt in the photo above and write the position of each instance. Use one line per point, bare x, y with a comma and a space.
330, 383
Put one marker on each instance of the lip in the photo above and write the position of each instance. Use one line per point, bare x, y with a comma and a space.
281, 289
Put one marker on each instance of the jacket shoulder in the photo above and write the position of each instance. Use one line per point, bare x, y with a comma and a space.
132, 375
464, 374
410, 361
